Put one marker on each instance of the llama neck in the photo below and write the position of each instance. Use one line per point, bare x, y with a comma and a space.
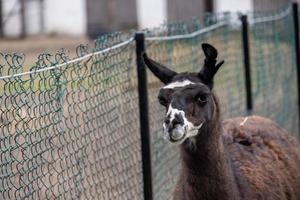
206, 169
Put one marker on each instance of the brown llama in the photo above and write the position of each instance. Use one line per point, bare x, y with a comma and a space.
241, 158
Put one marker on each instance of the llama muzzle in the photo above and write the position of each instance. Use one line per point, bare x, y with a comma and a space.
174, 134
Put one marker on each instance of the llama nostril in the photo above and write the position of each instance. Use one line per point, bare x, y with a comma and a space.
178, 120
167, 121
175, 123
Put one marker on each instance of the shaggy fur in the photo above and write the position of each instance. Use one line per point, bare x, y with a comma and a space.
230, 160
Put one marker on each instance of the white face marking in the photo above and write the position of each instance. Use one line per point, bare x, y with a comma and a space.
187, 128
178, 84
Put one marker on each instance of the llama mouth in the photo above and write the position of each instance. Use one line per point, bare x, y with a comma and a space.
177, 139
178, 134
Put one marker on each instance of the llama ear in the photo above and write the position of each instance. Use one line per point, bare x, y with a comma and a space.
210, 67
161, 72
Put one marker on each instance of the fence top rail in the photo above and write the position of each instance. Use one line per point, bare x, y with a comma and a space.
126, 42
276, 17
190, 35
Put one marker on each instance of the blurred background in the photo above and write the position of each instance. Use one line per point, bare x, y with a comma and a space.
53, 24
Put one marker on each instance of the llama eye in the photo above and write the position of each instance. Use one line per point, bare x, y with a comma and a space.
201, 98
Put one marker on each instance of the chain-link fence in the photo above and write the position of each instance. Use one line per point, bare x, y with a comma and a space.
69, 128
274, 68
70, 131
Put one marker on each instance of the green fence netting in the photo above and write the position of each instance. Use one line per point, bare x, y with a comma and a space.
71, 132
69, 128
274, 68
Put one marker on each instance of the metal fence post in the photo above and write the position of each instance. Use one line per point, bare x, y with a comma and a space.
297, 52
246, 51
144, 117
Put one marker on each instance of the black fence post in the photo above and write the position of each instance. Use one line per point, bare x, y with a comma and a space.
297, 52
144, 117
246, 51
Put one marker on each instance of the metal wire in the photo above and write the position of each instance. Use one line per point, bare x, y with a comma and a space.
271, 18
71, 61
189, 35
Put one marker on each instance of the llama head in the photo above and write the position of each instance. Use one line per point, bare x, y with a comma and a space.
187, 97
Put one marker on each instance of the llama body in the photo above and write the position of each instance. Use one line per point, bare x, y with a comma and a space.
265, 159
241, 158
256, 160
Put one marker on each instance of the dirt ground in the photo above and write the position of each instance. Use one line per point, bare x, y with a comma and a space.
34, 45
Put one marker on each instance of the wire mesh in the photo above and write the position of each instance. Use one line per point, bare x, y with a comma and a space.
69, 127
273, 68
71, 132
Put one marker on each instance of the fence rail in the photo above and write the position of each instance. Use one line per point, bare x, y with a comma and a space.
90, 127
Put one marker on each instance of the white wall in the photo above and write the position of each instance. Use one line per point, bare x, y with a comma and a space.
65, 16
33, 20
151, 13
233, 5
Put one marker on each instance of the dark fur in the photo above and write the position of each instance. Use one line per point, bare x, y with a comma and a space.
229, 161
256, 161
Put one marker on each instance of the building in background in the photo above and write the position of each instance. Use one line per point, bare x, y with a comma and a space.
152, 13
110, 15
31, 17
268, 5
95, 17
179, 10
